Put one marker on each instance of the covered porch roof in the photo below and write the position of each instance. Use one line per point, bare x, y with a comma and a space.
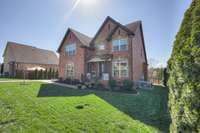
100, 58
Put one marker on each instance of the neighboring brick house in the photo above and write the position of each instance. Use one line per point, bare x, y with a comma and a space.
27, 58
116, 52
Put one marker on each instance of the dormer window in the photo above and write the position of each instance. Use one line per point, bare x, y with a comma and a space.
120, 45
70, 49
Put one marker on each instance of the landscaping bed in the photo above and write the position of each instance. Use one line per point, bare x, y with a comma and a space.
125, 86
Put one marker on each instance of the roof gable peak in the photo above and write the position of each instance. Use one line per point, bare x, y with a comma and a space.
108, 18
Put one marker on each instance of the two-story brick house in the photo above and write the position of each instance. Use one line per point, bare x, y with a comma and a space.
116, 52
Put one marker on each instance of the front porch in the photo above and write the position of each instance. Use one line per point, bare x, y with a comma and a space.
99, 68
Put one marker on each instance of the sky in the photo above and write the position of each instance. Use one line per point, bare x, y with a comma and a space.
43, 23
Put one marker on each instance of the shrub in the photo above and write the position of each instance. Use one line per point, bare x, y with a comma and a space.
19, 74
49, 73
53, 74
92, 85
184, 74
128, 85
45, 74
56, 74
75, 81
68, 81
1, 68
165, 77
79, 86
40, 74
112, 83
98, 85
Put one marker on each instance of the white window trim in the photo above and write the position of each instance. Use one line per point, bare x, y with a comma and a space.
119, 44
71, 46
72, 75
120, 60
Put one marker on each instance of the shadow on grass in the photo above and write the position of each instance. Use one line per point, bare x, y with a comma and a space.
149, 107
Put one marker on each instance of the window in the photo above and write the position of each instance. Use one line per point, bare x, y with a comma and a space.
120, 67
101, 46
120, 45
70, 70
70, 49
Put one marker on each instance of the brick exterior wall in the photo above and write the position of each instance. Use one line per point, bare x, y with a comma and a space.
119, 33
139, 64
135, 54
79, 59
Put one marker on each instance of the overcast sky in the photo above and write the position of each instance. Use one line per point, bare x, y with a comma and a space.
43, 23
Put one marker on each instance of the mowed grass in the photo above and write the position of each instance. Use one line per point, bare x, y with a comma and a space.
8, 79
40, 108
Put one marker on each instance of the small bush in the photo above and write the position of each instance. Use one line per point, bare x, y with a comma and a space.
98, 85
92, 85
75, 81
112, 84
79, 86
68, 81
128, 85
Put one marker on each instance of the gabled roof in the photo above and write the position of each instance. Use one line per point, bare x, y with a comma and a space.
84, 39
134, 25
28, 54
115, 22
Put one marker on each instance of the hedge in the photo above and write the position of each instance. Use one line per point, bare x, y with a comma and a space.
184, 74
37, 74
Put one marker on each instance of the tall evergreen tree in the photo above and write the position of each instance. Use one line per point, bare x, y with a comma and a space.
40, 74
2, 66
49, 73
184, 74
53, 74
45, 74
56, 74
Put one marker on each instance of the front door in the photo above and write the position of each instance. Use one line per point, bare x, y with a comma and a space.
101, 69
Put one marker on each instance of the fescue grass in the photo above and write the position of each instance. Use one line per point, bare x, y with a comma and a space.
3, 79
38, 107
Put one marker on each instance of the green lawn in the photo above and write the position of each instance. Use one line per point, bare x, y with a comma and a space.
5, 79
39, 107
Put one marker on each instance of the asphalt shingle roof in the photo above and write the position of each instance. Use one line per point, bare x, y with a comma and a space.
29, 54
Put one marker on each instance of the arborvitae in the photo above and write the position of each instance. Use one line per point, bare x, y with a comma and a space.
165, 77
45, 74
56, 74
40, 74
36, 74
184, 74
1, 66
53, 74
49, 73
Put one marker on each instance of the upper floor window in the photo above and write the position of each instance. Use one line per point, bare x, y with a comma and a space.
100, 46
120, 45
70, 49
